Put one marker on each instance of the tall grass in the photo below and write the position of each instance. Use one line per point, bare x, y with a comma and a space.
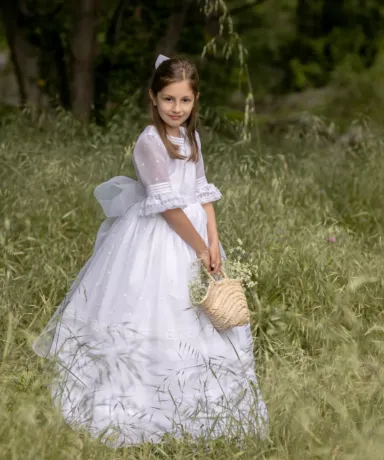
310, 213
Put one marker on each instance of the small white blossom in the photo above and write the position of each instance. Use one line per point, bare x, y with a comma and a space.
238, 266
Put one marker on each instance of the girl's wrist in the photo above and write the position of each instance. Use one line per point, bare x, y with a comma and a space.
213, 234
214, 240
202, 252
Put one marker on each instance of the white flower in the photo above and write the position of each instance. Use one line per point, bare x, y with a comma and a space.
234, 267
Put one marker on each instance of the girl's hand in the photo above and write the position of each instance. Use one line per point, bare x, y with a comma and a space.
205, 259
214, 252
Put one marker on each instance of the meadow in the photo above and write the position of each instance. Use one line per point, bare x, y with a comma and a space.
311, 214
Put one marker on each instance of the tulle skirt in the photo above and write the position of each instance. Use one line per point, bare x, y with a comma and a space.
135, 358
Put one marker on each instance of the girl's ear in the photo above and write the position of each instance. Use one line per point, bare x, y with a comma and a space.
152, 96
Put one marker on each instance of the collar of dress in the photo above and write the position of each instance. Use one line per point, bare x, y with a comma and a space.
178, 140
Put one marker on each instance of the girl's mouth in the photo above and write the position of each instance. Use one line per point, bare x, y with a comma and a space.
175, 117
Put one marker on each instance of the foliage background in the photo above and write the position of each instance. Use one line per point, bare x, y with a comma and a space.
293, 46
304, 195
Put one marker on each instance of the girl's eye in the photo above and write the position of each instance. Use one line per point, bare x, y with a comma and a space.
168, 99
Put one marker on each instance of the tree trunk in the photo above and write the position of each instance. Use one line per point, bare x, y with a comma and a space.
168, 43
103, 69
25, 56
59, 67
83, 53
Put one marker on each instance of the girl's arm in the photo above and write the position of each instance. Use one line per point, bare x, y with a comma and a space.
179, 222
206, 194
213, 236
151, 163
213, 239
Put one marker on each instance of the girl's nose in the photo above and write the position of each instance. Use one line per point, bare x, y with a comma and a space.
176, 107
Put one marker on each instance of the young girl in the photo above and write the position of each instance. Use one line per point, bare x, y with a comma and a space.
135, 358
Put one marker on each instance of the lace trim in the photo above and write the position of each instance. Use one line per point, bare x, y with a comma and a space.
208, 193
159, 203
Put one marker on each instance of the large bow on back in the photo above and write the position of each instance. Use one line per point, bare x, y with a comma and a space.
118, 194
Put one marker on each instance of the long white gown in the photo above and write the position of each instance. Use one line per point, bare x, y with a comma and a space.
135, 358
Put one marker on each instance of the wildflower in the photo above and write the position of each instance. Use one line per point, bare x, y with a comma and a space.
332, 239
238, 266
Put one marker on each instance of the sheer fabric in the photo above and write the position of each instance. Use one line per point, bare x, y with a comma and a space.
135, 358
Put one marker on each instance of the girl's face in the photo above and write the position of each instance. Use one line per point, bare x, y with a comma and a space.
174, 103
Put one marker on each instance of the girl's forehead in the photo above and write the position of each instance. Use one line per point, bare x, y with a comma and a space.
179, 88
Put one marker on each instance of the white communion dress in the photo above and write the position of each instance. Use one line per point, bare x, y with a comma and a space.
135, 358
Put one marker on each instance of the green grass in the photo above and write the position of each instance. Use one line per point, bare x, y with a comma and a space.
318, 327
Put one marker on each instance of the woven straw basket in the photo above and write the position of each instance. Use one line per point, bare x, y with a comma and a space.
225, 303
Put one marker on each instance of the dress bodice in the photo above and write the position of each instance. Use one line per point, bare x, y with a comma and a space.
181, 173
163, 182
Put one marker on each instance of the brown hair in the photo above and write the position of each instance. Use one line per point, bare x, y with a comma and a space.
171, 71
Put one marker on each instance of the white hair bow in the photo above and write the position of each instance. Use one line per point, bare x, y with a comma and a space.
160, 58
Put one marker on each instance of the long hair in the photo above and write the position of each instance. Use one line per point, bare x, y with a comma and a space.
172, 71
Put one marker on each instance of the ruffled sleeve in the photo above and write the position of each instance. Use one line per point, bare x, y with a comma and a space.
205, 192
151, 163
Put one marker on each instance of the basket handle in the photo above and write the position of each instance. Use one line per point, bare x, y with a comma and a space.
222, 272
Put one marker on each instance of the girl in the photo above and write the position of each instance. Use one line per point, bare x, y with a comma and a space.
135, 358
